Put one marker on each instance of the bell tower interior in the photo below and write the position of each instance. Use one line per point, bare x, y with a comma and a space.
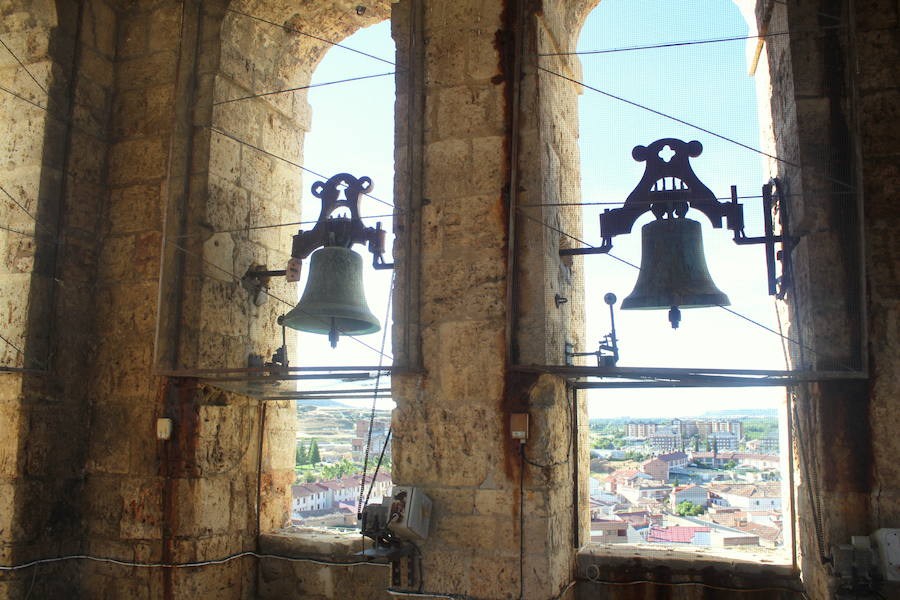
148, 147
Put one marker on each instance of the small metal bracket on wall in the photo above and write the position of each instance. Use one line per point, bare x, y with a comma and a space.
608, 351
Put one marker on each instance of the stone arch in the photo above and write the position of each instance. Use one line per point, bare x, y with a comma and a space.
246, 174
249, 173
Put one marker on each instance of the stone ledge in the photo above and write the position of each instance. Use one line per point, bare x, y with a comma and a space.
300, 542
651, 563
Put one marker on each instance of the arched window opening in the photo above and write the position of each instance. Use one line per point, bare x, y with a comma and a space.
352, 131
683, 460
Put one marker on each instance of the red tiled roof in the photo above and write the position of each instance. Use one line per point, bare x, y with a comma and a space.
675, 534
671, 456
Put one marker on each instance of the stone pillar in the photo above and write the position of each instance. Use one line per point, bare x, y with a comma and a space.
829, 105
451, 424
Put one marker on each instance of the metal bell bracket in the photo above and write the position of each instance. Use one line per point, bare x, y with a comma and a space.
669, 187
342, 231
608, 350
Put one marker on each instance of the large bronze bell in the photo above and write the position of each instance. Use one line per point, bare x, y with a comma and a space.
673, 270
334, 301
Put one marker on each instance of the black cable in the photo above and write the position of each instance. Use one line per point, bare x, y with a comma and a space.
362, 483
687, 123
309, 35
724, 588
258, 227
13, 346
387, 440
302, 87
21, 64
687, 43
622, 202
190, 565
522, 522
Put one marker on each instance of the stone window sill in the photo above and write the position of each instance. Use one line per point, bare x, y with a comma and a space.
624, 563
301, 542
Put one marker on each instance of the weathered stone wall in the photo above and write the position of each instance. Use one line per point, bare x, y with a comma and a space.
54, 166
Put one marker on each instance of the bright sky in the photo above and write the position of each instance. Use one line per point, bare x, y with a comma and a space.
352, 131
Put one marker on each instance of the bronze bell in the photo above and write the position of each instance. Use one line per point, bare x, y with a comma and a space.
334, 301
673, 270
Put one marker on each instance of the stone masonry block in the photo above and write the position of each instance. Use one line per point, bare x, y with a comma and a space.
447, 167
143, 111
138, 161
228, 206
225, 158
147, 71
213, 504
469, 111
494, 577
471, 288
135, 208
472, 365
164, 25
142, 516
218, 257
10, 416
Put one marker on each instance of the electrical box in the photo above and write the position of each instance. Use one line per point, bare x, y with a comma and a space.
163, 429
887, 543
409, 513
518, 426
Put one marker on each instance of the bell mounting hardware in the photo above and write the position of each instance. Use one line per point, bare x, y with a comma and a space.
333, 302
673, 268
341, 231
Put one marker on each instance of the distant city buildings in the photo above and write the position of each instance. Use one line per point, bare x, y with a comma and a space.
380, 428
765, 445
732, 484
663, 438
334, 502
722, 440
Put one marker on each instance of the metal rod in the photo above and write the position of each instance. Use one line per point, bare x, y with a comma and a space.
277, 377
626, 372
275, 273
711, 383
335, 397
324, 393
769, 232
578, 251
202, 372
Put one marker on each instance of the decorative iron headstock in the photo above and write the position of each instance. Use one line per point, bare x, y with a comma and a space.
342, 231
668, 187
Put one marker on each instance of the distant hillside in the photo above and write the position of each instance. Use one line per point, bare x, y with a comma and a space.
323, 402
743, 412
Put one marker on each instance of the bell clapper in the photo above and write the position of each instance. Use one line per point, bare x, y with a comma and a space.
333, 334
674, 317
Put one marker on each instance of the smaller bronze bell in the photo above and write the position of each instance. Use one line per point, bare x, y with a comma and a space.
334, 301
673, 270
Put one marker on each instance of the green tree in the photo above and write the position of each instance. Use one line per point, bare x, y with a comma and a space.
689, 509
302, 455
730, 464
314, 456
310, 477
